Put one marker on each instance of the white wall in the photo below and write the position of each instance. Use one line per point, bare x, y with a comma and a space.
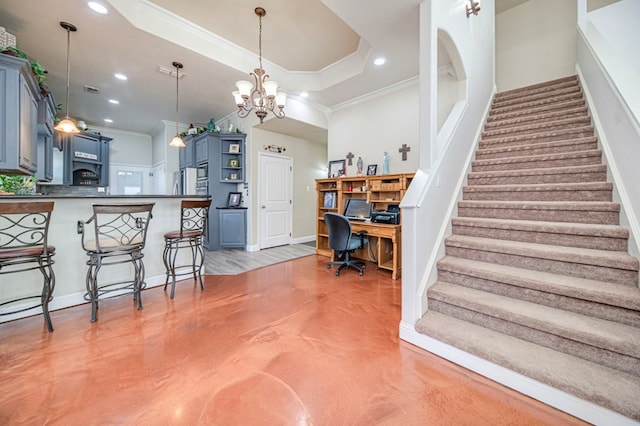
127, 147
535, 42
374, 125
611, 83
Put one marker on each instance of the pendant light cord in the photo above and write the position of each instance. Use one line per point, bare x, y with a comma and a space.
68, 68
177, 93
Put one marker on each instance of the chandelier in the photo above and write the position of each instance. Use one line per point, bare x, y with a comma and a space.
264, 97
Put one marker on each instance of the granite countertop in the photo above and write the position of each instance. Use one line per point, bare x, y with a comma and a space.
93, 196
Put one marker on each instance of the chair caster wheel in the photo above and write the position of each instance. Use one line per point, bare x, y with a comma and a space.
337, 273
360, 273
328, 266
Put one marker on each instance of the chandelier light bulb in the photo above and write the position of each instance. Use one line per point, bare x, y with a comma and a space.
270, 88
244, 87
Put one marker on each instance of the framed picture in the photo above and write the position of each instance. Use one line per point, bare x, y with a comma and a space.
234, 162
372, 169
336, 168
329, 200
235, 198
233, 176
234, 148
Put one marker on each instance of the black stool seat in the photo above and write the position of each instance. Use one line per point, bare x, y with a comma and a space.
193, 225
24, 229
119, 236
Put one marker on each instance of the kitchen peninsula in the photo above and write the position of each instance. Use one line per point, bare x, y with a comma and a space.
70, 259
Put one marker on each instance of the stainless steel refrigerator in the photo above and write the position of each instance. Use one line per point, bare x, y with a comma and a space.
184, 181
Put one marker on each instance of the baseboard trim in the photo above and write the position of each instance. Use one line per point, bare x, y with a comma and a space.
546, 394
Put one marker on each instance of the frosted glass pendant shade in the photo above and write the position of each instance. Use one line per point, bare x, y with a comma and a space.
177, 142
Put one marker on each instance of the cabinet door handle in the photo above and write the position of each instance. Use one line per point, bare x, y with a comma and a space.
264, 207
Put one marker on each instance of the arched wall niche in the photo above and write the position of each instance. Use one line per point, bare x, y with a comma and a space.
452, 77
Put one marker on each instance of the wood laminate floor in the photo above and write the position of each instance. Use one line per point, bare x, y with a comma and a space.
287, 344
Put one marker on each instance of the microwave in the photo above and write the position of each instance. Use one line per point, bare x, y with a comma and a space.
202, 171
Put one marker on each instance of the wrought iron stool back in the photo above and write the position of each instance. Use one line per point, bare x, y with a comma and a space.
24, 230
119, 235
193, 226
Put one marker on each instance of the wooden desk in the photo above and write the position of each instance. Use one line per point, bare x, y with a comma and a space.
384, 242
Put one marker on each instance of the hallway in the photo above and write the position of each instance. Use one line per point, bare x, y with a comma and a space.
287, 344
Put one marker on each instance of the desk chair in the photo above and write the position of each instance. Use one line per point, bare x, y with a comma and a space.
343, 242
24, 229
193, 225
119, 235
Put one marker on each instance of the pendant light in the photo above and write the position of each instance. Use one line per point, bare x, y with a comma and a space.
177, 140
67, 125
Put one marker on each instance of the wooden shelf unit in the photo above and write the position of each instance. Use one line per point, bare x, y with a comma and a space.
381, 191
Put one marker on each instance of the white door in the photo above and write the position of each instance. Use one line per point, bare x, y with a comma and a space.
275, 204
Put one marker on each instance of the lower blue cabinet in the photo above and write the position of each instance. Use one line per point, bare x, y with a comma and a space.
233, 227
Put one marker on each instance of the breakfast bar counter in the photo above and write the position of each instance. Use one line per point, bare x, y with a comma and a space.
70, 266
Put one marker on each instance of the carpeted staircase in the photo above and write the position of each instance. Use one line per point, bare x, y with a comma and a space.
536, 276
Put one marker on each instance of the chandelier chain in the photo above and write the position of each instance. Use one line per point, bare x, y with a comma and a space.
260, 39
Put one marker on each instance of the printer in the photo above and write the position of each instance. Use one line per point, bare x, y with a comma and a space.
390, 217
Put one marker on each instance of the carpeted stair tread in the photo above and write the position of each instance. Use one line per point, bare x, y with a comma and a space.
604, 292
536, 103
607, 335
538, 127
601, 385
536, 137
577, 255
585, 191
568, 145
523, 120
533, 96
574, 158
534, 113
590, 172
605, 237
539, 87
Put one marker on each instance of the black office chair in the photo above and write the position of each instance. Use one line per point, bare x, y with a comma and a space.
344, 242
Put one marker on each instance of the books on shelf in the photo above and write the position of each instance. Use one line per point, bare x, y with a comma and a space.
329, 200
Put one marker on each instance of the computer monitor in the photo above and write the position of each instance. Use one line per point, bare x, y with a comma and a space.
357, 209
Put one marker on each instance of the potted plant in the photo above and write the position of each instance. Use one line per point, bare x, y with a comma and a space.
38, 70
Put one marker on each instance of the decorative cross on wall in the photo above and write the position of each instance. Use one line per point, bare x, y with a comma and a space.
403, 150
350, 158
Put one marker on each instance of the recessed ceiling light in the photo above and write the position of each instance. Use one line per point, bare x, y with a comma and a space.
380, 61
108, 120
98, 7
304, 94
114, 101
120, 76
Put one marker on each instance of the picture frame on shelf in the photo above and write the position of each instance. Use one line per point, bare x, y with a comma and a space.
234, 200
233, 176
234, 148
234, 162
329, 200
372, 169
336, 168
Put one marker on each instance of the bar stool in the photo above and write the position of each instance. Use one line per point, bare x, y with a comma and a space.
24, 229
119, 236
193, 225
